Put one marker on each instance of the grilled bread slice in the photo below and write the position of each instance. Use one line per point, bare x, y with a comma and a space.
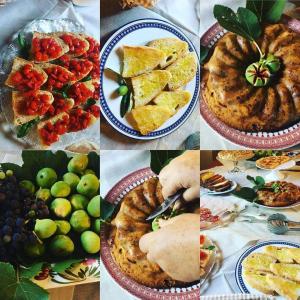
64, 48
18, 105
148, 118
280, 253
173, 49
294, 253
140, 59
205, 256
18, 64
148, 86
289, 271
84, 42
174, 100
284, 287
258, 280
182, 71
258, 262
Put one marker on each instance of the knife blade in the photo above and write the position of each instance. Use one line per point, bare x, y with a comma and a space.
166, 204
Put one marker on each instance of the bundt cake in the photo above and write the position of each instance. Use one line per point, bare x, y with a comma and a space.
128, 226
238, 103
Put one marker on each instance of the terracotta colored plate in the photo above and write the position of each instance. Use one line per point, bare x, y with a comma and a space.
115, 195
259, 140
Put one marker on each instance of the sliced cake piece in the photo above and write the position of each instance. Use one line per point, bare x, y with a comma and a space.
258, 262
182, 71
148, 118
25, 75
28, 106
289, 271
173, 49
174, 100
284, 287
47, 47
258, 280
148, 86
78, 45
140, 59
280, 253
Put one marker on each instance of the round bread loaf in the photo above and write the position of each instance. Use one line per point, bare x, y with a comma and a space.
239, 104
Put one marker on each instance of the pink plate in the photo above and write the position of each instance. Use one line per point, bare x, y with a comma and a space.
259, 140
115, 195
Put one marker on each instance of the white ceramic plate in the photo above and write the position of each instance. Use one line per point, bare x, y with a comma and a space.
240, 280
209, 192
140, 32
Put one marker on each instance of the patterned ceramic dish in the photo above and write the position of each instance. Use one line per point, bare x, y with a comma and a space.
255, 140
115, 195
140, 32
240, 280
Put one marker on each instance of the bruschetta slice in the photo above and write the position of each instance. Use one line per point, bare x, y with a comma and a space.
47, 47
81, 92
60, 105
80, 119
58, 76
27, 106
78, 45
25, 75
50, 130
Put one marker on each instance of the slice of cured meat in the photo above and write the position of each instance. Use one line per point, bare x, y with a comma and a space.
25, 76
47, 47
27, 106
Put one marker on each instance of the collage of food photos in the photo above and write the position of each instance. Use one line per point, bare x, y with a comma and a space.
150, 149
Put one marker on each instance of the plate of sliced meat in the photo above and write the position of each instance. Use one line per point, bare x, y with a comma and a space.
215, 184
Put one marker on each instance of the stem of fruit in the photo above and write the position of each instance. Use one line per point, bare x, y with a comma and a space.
260, 52
17, 274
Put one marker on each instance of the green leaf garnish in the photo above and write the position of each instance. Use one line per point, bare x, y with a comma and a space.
245, 193
31, 271
203, 53
125, 104
23, 130
87, 78
106, 209
211, 247
21, 41
65, 264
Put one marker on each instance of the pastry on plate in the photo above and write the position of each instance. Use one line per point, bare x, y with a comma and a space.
289, 271
235, 155
280, 253
240, 105
173, 49
148, 118
148, 86
25, 75
258, 262
284, 287
272, 162
140, 59
183, 70
258, 280
286, 194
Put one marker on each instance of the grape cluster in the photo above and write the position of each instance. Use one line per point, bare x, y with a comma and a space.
18, 211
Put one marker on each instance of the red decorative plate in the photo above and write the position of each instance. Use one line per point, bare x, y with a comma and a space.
255, 140
115, 195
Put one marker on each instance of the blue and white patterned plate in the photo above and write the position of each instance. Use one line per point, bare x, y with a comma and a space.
241, 282
140, 32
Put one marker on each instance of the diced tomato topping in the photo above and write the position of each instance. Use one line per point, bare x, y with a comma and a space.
57, 77
80, 93
94, 110
44, 49
58, 106
79, 120
203, 255
202, 239
96, 95
93, 53
36, 104
76, 45
27, 78
50, 132
79, 68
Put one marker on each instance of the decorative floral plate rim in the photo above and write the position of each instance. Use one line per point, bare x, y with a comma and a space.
110, 114
242, 284
282, 139
115, 195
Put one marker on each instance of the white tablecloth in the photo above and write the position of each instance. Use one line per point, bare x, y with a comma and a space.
15, 15
233, 238
210, 139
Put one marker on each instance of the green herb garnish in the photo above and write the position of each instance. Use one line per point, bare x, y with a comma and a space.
22, 130
203, 53
125, 106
